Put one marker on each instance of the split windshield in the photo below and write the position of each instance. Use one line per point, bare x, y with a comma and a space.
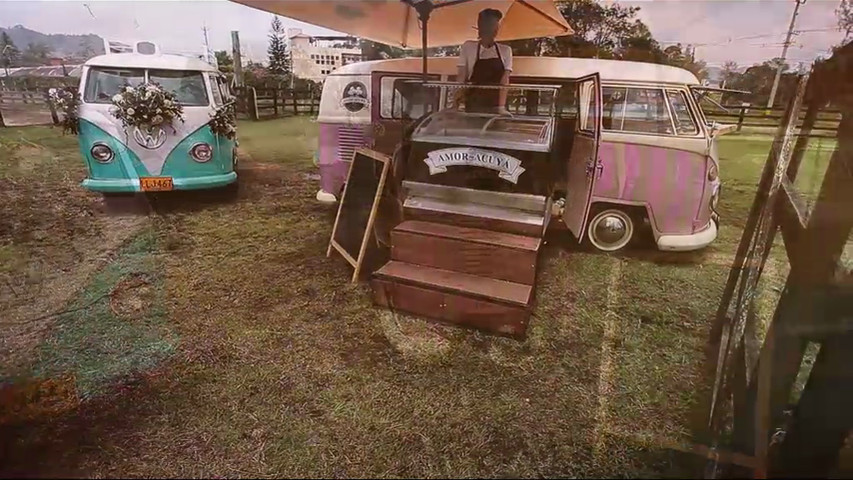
103, 83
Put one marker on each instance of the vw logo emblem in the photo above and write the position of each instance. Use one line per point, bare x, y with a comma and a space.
151, 139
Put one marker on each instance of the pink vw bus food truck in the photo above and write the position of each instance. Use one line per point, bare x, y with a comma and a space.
657, 157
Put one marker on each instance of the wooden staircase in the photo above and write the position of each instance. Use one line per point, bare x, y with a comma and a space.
464, 256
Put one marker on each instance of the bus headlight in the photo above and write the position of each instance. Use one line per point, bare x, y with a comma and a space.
102, 153
715, 199
712, 172
201, 152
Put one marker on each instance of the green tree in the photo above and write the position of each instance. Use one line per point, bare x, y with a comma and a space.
86, 49
9, 53
679, 56
225, 62
599, 29
36, 53
758, 80
730, 73
379, 51
845, 17
279, 60
608, 31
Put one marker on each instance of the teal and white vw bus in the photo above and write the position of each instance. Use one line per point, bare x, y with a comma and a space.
185, 155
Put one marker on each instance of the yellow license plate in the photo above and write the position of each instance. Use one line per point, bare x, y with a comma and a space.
155, 184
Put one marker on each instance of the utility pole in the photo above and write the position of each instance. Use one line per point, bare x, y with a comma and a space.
6, 60
206, 44
238, 60
784, 53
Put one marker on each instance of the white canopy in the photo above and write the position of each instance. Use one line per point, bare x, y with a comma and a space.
395, 22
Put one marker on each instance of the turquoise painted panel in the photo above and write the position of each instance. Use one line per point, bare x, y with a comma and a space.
180, 163
125, 164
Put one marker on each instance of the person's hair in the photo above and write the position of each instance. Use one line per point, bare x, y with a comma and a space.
491, 13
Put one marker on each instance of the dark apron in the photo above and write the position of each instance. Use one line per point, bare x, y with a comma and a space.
487, 71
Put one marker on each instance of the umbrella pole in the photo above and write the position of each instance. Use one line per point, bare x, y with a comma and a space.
424, 46
424, 10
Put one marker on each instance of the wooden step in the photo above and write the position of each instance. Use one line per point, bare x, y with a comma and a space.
517, 213
518, 201
484, 303
486, 253
473, 215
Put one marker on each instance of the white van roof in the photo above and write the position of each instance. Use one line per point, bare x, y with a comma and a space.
160, 61
555, 67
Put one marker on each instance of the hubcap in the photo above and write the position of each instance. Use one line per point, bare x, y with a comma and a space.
611, 231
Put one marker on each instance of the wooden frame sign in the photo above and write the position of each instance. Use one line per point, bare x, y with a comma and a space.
357, 208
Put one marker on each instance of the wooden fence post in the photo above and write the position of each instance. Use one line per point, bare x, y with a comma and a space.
275, 102
741, 116
253, 103
295, 102
311, 104
53, 116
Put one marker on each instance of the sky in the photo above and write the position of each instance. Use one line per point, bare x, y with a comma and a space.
744, 31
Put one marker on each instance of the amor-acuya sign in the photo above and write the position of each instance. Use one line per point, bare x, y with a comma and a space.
509, 168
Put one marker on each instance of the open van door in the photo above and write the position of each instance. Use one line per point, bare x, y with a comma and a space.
395, 104
584, 166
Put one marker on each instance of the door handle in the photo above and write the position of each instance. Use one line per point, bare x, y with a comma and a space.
596, 166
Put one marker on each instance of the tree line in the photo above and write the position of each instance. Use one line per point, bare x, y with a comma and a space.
36, 53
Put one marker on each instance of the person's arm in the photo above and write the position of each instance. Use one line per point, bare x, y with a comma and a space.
504, 91
461, 74
507, 60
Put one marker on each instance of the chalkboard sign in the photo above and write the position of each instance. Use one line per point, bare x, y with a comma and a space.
358, 205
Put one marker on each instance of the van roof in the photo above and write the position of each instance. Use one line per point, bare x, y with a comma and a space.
556, 67
160, 61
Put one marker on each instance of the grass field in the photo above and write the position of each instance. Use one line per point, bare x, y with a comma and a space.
217, 339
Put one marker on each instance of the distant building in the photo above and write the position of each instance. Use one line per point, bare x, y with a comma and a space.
312, 58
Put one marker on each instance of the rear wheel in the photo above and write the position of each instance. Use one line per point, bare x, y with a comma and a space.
610, 229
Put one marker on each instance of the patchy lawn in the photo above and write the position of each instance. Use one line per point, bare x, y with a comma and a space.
217, 339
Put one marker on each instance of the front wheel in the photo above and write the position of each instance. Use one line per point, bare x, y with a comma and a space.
610, 229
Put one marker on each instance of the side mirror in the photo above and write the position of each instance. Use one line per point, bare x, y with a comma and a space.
717, 129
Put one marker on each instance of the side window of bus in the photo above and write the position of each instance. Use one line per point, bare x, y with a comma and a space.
214, 88
613, 107
405, 102
643, 110
223, 87
684, 123
103, 83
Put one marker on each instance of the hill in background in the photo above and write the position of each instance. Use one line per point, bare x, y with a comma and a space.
58, 44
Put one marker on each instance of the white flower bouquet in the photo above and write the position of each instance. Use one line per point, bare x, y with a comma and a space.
224, 123
66, 100
146, 106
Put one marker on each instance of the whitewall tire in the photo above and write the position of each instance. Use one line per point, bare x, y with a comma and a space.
610, 230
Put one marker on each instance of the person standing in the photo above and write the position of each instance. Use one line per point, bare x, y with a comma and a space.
485, 62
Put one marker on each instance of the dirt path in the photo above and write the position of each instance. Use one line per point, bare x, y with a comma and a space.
24, 325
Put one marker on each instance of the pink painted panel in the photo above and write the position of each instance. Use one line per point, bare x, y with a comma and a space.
671, 182
335, 146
